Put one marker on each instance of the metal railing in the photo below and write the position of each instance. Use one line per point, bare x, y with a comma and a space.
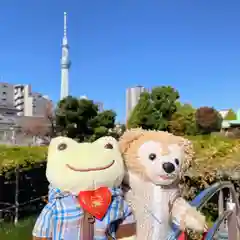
13, 208
227, 225
16, 207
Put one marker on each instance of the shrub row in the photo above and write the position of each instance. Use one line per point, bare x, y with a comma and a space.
212, 154
215, 156
24, 157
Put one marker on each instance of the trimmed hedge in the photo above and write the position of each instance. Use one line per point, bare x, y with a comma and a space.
216, 152
24, 157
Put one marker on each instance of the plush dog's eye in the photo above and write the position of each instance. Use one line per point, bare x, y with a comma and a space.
108, 146
176, 161
152, 156
62, 146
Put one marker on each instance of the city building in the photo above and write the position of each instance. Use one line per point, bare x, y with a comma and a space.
100, 106
23, 100
29, 103
224, 112
83, 97
65, 62
6, 94
132, 98
40, 103
231, 125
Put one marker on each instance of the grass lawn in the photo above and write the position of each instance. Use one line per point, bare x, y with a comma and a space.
23, 231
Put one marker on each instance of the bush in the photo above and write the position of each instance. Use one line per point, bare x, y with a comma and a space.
208, 120
215, 152
183, 121
25, 157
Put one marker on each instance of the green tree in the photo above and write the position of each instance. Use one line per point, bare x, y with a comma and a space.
155, 109
102, 124
208, 120
231, 115
117, 131
183, 121
80, 119
142, 114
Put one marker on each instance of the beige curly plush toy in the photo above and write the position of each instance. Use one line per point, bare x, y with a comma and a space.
154, 161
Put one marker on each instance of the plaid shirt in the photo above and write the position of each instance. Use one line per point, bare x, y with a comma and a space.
61, 218
172, 236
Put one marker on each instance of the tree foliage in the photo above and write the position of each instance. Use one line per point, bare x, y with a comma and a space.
208, 120
142, 114
80, 119
102, 124
183, 121
231, 115
155, 109
35, 126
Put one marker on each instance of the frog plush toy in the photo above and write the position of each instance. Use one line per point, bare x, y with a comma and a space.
85, 201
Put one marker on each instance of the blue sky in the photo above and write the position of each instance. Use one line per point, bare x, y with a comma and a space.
192, 45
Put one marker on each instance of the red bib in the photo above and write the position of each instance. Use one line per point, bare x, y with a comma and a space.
96, 202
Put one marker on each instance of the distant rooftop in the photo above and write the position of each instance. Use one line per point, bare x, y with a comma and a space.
229, 123
224, 112
83, 97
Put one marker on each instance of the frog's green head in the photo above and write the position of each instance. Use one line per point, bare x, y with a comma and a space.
75, 167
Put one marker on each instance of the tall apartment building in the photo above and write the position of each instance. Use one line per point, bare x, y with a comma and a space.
132, 98
21, 99
100, 106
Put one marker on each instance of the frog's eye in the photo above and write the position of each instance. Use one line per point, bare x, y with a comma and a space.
62, 146
108, 146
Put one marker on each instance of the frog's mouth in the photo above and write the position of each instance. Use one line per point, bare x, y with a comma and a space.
90, 169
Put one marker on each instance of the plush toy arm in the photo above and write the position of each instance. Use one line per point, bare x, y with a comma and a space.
44, 224
127, 228
186, 216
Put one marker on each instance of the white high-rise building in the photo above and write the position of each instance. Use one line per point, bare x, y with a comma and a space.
28, 103
132, 98
23, 101
65, 62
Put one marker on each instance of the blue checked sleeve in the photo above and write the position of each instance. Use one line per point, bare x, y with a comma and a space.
44, 225
171, 236
127, 212
60, 220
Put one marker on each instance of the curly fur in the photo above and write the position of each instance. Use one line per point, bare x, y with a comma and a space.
145, 196
131, 140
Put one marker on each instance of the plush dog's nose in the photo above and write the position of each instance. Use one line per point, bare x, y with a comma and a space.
168, 167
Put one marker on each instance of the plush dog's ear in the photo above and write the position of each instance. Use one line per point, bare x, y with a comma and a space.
189, 155
128, 137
